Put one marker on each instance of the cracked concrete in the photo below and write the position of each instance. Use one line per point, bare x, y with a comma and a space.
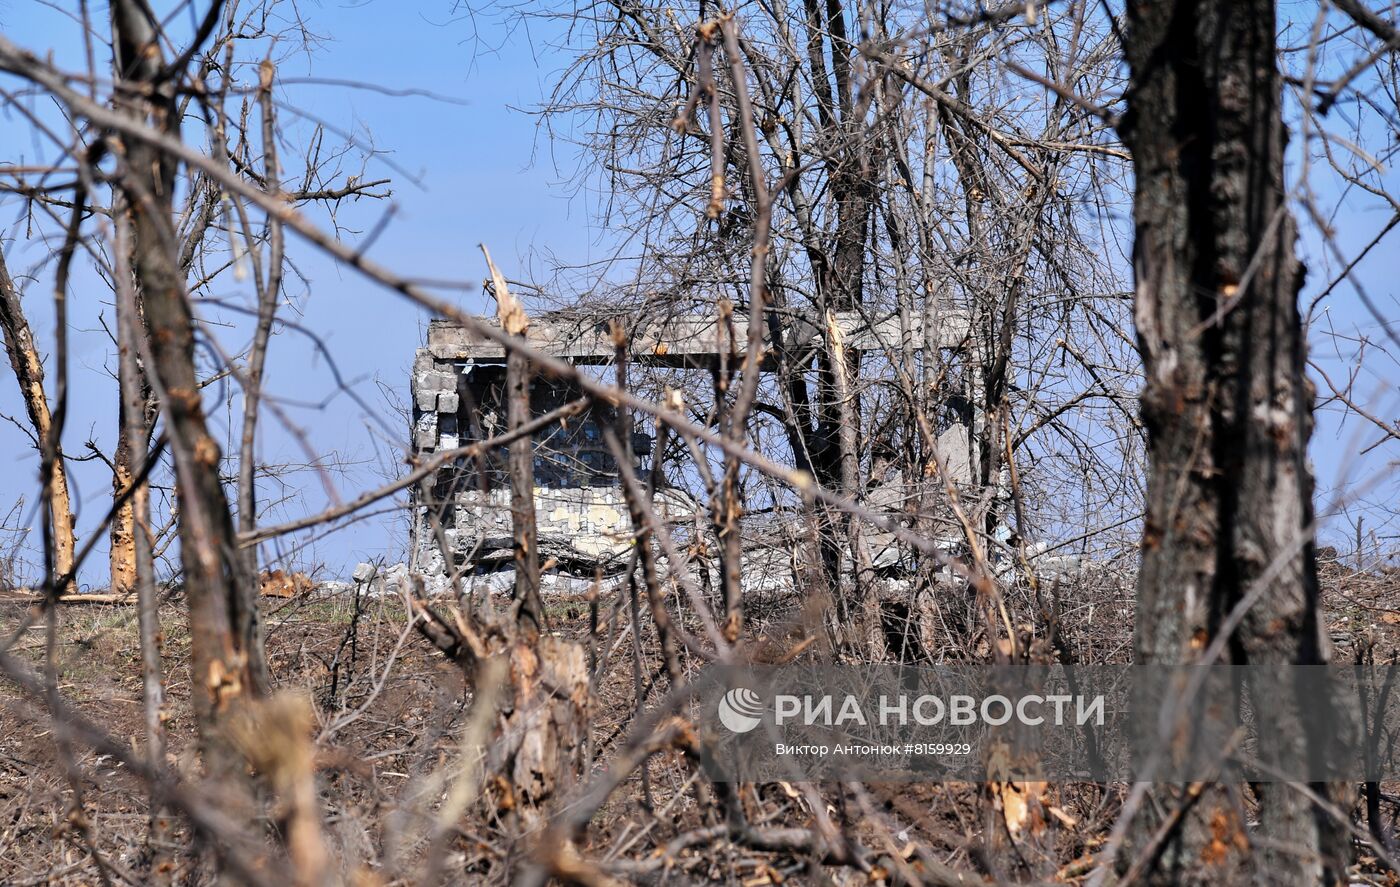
457, 392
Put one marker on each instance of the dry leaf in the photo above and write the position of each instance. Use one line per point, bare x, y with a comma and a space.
1013, 798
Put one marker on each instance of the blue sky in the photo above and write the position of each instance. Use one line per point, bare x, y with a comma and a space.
484, 173
1356, 478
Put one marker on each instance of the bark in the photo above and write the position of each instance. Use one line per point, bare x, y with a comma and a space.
538, 751
136, 415
136, 421
121, 548
520, 463
29, 374
1227, 408
646, 555
828, 439
269, 291
522, 495
220, 630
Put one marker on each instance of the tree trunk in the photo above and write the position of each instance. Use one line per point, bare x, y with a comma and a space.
135, 418
1226, 404
521, 463
539, 748
138, 415
269, 291
838, 259
29, 373
221, 669
121, 548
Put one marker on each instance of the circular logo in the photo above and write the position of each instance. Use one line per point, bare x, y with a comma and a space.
740, 710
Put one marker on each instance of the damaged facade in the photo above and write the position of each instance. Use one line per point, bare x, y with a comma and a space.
582, 520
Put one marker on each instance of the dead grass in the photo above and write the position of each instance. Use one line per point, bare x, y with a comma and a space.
389, 713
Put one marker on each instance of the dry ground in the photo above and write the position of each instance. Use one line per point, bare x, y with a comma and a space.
389, 713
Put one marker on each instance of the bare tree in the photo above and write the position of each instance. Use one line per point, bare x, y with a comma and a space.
1227, 404
912, 178
29, 374
913, 439
221, 593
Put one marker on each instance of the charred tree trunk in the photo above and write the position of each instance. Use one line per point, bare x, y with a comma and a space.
1227, 407
29, 373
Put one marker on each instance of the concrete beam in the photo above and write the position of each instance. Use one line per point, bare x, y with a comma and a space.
684, 340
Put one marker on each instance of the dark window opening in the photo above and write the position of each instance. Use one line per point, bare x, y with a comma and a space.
567, 455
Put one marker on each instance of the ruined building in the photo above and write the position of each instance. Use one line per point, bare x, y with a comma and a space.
582, 518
